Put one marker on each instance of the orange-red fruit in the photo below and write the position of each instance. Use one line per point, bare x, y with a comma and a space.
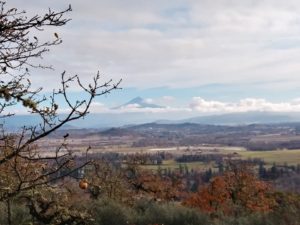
83, 184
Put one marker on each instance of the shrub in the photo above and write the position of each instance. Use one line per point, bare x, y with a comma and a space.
108, 212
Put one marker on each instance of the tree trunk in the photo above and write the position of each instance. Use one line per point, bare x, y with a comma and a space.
8, 212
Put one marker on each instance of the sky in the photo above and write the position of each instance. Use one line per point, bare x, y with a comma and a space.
186, 55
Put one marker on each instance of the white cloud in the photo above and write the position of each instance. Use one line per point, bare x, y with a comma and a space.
98, 107
95, 107
202, 105
180, 43
244, 105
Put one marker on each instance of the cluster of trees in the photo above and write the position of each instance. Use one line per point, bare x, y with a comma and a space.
274, 172
131, 195
200, 158
236, 191
193, 177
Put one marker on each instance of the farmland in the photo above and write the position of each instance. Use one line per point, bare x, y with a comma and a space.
275, 143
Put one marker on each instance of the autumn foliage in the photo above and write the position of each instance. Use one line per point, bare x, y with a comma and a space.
158, 187
237, 189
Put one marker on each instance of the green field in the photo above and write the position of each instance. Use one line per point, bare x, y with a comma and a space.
280, 157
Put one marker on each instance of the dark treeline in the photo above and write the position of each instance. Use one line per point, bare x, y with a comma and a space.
273, 145
200, 158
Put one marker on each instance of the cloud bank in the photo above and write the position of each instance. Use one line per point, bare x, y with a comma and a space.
245, 105
180, 43
200, 105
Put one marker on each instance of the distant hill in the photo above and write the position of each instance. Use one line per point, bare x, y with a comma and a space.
240, 118
205, 128
252, 137
117, 132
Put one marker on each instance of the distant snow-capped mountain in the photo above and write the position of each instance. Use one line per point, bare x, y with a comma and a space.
139, 102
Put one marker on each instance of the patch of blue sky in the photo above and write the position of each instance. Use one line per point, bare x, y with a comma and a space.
177, 13
175, 17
